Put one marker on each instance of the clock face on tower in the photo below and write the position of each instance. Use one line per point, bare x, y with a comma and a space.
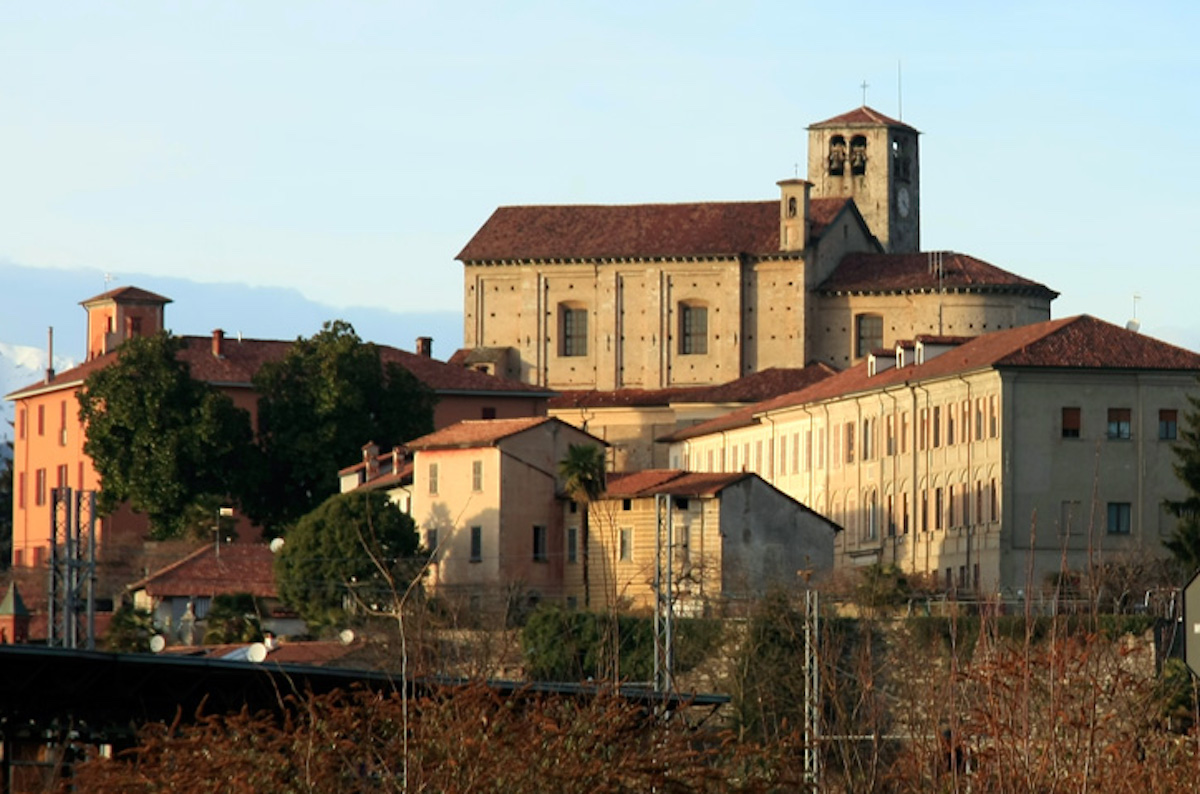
902, 202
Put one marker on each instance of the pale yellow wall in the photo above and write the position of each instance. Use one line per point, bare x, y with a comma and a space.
632, 338
760, 315
773, 315
629, 583
631, 431
823, 479
520, 489
908, 315
1033, 469
454, 508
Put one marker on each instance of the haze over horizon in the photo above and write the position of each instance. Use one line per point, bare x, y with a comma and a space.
349, 151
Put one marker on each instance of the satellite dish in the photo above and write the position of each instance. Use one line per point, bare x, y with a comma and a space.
276, 545
257, 653
1134, 325
157, 643
346, 636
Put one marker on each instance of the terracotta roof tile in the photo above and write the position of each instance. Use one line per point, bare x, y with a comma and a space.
860, 117
450, 379
672, 482
127, 294
476, 433
742, 417
240, 568
1080, 342
876, 273
637, 231
751, 388
240, 359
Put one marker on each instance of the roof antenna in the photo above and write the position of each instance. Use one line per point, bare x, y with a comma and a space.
899, 91
1134, 325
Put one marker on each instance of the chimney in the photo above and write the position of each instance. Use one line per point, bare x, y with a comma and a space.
370, 452
218, 343
50, 354
398, 459
425, 346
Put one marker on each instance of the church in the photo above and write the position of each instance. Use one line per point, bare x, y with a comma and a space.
661, 296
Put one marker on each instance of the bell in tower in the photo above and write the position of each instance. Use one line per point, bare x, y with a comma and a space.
873, 159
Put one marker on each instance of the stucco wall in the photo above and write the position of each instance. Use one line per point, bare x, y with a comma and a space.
1002, 485
905, 316
519, 489
1091, 470
768, 541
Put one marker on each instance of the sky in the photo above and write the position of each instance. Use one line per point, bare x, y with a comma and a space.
349, 150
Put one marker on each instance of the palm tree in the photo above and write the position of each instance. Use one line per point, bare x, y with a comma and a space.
582, 470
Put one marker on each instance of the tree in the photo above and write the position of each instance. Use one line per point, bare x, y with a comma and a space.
160, 439
233, 617
318, 405
1184, 542
582, 470
329, 560
6, 502
130, 630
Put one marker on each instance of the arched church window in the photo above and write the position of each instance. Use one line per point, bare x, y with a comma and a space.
791, 207
858, 155
837, 155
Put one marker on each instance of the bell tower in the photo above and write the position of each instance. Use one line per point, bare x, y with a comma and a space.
873, 159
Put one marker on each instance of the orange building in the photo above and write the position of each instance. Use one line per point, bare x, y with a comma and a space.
49, 437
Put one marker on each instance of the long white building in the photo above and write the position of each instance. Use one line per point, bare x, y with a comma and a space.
980, 461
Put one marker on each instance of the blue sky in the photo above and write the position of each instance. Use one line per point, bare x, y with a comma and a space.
349, 150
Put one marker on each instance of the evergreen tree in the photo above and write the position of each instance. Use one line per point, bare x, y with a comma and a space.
130, 630
233, 617
328, 396
1184, 542
160, 439
356, 549
6, 503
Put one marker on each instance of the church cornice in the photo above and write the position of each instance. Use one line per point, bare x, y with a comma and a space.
612, 260
993, 289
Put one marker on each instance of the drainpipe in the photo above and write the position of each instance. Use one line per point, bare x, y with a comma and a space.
771, 452
928, 466
895, 495
969, 523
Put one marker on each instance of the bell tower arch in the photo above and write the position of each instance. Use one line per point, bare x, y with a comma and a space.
873, 159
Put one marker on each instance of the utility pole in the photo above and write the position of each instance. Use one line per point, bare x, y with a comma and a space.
812, 691
664, 595
71, 609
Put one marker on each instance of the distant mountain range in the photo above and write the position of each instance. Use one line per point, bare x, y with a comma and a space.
32, 300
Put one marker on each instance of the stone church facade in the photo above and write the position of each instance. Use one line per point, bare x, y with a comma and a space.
655, 296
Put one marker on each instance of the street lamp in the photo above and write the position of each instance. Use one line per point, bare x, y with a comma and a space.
222, 512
